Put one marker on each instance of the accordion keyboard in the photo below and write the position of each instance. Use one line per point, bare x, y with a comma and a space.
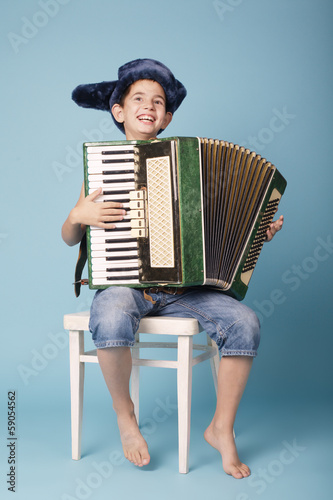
114, 255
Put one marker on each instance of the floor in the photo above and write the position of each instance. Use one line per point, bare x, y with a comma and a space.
286, 441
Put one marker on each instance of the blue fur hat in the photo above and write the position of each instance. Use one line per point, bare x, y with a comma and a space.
104, 95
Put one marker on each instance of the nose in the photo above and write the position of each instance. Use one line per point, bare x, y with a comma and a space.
149, 104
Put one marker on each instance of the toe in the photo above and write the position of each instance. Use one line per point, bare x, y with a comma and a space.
234, 472
245, 470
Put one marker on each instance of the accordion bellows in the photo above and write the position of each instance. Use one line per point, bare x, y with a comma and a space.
198, 212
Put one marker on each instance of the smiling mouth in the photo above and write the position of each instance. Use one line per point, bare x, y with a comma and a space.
146, 118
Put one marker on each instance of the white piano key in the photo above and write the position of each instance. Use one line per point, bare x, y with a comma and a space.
128, 186
111, 147
119, 232
96, 167
118, 155
115, 274
122, 224
114, 245
116, 189
111, 236
109, 178
103, 281
103, 264
99, 232
118, 199
123, 254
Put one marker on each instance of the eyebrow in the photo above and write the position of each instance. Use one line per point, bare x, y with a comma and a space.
143, 93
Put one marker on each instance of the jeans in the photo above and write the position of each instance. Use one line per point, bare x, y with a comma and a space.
116, 313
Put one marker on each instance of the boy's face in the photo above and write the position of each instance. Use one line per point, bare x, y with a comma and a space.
143, 113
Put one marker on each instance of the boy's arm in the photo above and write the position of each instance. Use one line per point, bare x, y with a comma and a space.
88, 213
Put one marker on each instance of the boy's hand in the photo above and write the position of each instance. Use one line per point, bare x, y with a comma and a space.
274, 228
89, 213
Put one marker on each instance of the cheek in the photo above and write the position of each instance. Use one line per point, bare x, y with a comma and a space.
163, 116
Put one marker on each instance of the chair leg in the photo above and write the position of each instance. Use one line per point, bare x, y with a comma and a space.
135, 378
76, 348
214, 362
184, 386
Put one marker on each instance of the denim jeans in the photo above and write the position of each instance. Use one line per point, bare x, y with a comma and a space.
116, 313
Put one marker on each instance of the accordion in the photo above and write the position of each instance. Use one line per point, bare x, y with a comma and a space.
197, 212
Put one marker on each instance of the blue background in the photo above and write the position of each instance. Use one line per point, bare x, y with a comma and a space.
244, 63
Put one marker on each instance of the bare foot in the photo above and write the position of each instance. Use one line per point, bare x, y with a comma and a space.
134, 446
224, 442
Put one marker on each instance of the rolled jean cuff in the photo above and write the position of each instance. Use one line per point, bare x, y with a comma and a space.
113, 343
231, 352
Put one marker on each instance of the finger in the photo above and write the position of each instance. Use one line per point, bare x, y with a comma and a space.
111, 218
277, 225
105, 224
112, 204
274, 228
94, 195
112, 211
111, 214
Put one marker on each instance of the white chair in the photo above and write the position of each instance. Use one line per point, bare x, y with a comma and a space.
184, 329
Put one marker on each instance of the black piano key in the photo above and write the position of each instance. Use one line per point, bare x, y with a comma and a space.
122, 249
121, 257
118, 152
125, 279
116, 191
129, 240
109, 181
123, 160
117, 172
116, 269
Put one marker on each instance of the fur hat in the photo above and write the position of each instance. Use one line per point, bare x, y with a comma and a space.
104, 95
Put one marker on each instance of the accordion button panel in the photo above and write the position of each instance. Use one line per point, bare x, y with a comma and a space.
260, 236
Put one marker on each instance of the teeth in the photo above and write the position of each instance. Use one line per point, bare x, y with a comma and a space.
146, 117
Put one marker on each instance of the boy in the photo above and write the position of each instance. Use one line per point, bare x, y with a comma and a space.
142, 103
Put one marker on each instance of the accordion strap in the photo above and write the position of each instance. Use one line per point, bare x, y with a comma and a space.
81, 261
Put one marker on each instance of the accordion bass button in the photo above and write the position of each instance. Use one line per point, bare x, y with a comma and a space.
137, 195
136, 204
136, 214
139, 233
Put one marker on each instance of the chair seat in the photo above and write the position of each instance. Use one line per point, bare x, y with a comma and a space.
150, 324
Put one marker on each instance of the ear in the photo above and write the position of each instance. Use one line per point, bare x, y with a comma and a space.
117, 112
167, 120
